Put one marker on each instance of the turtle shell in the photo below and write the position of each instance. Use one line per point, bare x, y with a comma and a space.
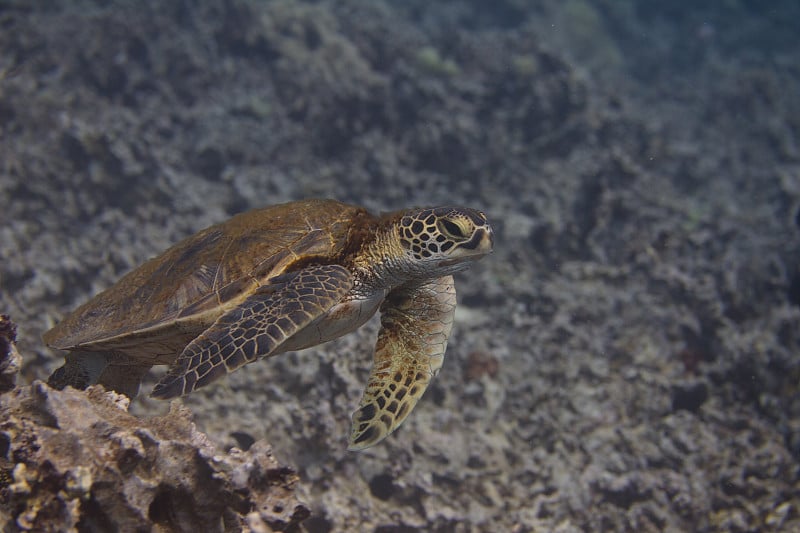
173, 297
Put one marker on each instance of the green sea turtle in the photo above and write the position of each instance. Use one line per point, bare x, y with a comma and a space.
278, 279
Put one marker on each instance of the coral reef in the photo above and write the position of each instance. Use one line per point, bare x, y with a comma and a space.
78, 461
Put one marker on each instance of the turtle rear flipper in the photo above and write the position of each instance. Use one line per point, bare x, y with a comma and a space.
124, 378
113, 371
415, 326
256, 328
80, 369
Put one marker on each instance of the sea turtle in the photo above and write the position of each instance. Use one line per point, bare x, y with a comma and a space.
278, 279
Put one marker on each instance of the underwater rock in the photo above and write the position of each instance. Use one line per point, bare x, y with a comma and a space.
9, 357
77, 460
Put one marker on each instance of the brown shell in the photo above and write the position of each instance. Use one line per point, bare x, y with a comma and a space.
201, 276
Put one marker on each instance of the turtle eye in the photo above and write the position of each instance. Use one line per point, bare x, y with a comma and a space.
452, 230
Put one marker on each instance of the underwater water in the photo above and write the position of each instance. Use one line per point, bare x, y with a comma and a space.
628, 358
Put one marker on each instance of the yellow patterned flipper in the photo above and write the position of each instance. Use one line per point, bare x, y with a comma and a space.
415, 326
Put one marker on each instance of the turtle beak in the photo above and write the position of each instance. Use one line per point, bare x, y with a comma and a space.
481, 242
488, 240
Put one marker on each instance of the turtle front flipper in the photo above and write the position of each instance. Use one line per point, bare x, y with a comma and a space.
256, 328
415, 326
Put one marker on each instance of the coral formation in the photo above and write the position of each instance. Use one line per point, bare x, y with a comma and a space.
77, 460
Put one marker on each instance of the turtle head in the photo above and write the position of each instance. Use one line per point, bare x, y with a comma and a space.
445, 239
